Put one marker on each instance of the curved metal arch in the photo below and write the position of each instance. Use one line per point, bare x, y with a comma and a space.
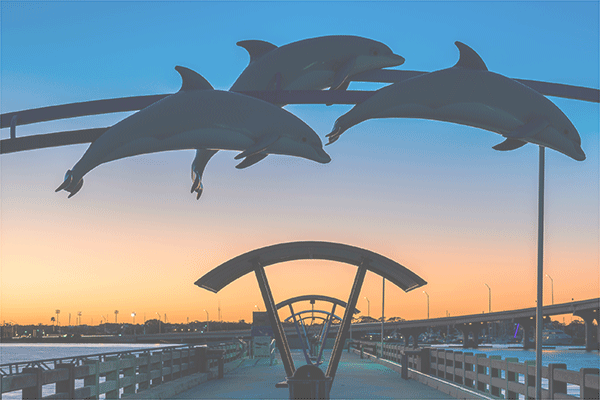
333, 316
317, 297
239, 266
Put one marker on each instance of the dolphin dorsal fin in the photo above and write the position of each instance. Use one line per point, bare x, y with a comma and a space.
191, 80
469, 58
256, 48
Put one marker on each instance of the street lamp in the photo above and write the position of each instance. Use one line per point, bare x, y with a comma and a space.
490, 298
133, 316
368, 306
159, 327
207, 328
116, 313
552, 285
427, 294
257, 307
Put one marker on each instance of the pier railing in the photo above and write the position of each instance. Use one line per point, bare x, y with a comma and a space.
498, 378
118, 374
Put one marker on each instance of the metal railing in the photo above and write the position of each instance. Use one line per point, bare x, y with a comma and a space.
493, 376
117, 374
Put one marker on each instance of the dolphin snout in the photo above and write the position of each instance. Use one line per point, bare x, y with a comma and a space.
321, 156
396, 60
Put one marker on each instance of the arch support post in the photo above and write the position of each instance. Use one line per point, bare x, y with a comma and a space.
338, 346
280, 338
589, 317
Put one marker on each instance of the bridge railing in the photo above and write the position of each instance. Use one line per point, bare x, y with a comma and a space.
501, 378
116, 375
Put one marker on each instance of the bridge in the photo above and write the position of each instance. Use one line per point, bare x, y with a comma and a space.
586, 309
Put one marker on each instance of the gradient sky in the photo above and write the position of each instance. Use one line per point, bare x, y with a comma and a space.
433, 196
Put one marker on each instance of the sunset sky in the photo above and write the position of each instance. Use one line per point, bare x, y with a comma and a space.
433, 196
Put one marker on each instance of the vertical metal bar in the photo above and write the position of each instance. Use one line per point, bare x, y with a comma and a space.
305, 334
324, 338
13, 127
539, 323
338, 346
304, 349
382, 313
280, 339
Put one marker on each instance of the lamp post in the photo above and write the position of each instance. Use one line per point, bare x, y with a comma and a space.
257, 307
207, 328
159, 327
489, 298
552, 285
368, 306
427, 294
116, 313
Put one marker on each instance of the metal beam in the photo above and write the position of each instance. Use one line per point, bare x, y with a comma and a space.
338, 346
280, 338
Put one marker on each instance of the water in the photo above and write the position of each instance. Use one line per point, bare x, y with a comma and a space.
23, 352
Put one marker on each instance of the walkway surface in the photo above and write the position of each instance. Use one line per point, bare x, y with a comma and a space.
355, 379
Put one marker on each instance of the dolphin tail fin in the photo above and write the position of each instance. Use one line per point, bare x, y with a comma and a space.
334, 134
509, 144
251, 160
68, 185
198, 165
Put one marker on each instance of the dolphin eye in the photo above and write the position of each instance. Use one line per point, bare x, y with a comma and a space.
374, 51
566, 132
304, 139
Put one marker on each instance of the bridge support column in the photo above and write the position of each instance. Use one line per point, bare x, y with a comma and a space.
526, 325
474, 328
588, 317
415, 335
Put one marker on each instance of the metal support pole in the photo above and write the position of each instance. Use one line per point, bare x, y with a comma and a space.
280, 339
304, 349
338, 347
382, 313
539, 322
324, 339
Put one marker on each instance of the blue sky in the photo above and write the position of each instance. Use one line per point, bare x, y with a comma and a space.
433, 196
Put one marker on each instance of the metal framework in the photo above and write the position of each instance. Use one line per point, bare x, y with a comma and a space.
299, 323
96, 107
256, 260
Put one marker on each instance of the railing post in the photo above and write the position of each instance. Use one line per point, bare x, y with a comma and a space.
157, 366
510, 376
145, 361
467, 366
129, 375
13, 127
113, 376
555, 386
201, 359
479, 369
424, 361
93, 380
68, 386
404, 366
529, 378
34, 392
494, 373
586, 392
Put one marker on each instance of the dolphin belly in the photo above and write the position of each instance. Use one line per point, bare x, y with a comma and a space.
311, 80
206, 138
472, 114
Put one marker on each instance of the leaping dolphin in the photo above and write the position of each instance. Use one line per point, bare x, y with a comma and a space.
310, 64
199, 117
469, 94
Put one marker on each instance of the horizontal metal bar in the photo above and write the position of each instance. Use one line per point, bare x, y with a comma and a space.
134, 103
46, 140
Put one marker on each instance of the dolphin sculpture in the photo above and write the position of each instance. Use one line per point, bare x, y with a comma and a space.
310, 64
469, 94
197, 116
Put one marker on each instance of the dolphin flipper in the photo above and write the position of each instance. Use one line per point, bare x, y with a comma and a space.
342, 74
259, 146
251, 160
256, 48
198, 165
509, 144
